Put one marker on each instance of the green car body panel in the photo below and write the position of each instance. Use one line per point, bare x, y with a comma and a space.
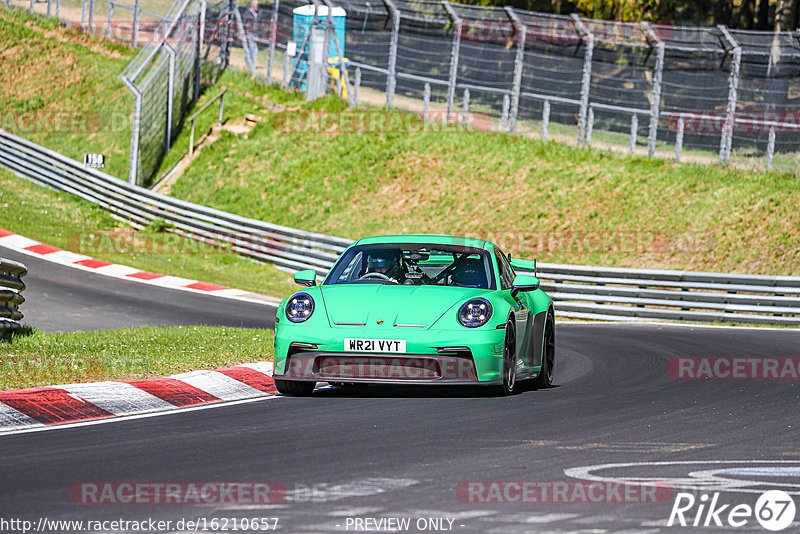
425, 317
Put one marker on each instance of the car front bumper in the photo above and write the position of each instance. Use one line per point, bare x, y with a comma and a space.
432, 357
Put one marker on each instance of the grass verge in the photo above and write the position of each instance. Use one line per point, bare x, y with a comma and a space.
60, 88
33, 358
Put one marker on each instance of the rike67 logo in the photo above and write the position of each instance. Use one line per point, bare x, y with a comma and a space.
774, 510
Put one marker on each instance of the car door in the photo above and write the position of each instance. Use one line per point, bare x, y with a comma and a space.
522, 317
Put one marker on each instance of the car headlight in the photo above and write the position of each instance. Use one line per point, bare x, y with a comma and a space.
300, 307
475, 312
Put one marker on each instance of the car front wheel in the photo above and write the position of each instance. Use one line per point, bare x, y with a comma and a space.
293, 387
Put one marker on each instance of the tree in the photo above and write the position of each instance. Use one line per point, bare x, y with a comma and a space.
763, 15
747, 15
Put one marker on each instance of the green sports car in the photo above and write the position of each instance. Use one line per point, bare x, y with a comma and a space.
413, 309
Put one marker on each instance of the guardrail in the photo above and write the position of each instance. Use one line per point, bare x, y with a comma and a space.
11, 287
582, 292
643, 295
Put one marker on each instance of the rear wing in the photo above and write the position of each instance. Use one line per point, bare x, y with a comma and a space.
524, 265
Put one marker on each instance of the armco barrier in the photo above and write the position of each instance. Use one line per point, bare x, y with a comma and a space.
580, 291
11, 287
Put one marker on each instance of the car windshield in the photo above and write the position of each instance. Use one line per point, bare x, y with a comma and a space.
414, 264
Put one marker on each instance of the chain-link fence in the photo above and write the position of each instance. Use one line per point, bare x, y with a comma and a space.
190, 51
673, 91
688, 92
184, 47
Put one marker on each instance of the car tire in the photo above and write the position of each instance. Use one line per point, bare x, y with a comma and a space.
293, 387
509, 369
545, 378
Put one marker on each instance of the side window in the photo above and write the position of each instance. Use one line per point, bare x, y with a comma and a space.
506, 274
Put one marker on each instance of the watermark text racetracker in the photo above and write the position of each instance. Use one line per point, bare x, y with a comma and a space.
376, 122
179, 493
562, 492
733, 368
65, 122
149, 524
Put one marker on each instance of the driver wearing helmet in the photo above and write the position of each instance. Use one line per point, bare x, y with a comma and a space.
387, 263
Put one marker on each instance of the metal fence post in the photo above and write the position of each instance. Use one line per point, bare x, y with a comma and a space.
357, 86
519, 63
273, 38
339, 54
31, 7
679, 138
634, 132
391, 77
91, 14
726, 139
454, 53
198, 64
770, 148
83, 15
133, 162
58, 8
658, 75
465, 106
135, 32
545, 119
504, 114
586, 80
286, 60
426, 101
589, 126
110, 20
329, 32
49, 7
170, 94
251, 68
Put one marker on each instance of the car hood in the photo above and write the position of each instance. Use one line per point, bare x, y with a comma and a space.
366, 304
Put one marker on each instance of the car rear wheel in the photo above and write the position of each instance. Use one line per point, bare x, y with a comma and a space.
545, 378
293, 387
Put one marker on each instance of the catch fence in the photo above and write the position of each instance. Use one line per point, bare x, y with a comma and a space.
685, 92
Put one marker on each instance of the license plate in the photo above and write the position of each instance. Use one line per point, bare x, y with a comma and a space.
374, 345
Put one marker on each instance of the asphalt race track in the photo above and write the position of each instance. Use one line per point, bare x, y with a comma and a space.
383, 452
60, 298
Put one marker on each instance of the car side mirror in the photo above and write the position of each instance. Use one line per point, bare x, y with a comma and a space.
524, 282
306, 278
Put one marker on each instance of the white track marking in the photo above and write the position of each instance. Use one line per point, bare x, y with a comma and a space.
365, 487
549, 518
11, 418
687, 481
18, 242
217, 384
114, 270
65, 257
118, 398
261, 367
172, 282
107, 420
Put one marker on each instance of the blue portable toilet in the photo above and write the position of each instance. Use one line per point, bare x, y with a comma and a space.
302, 17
